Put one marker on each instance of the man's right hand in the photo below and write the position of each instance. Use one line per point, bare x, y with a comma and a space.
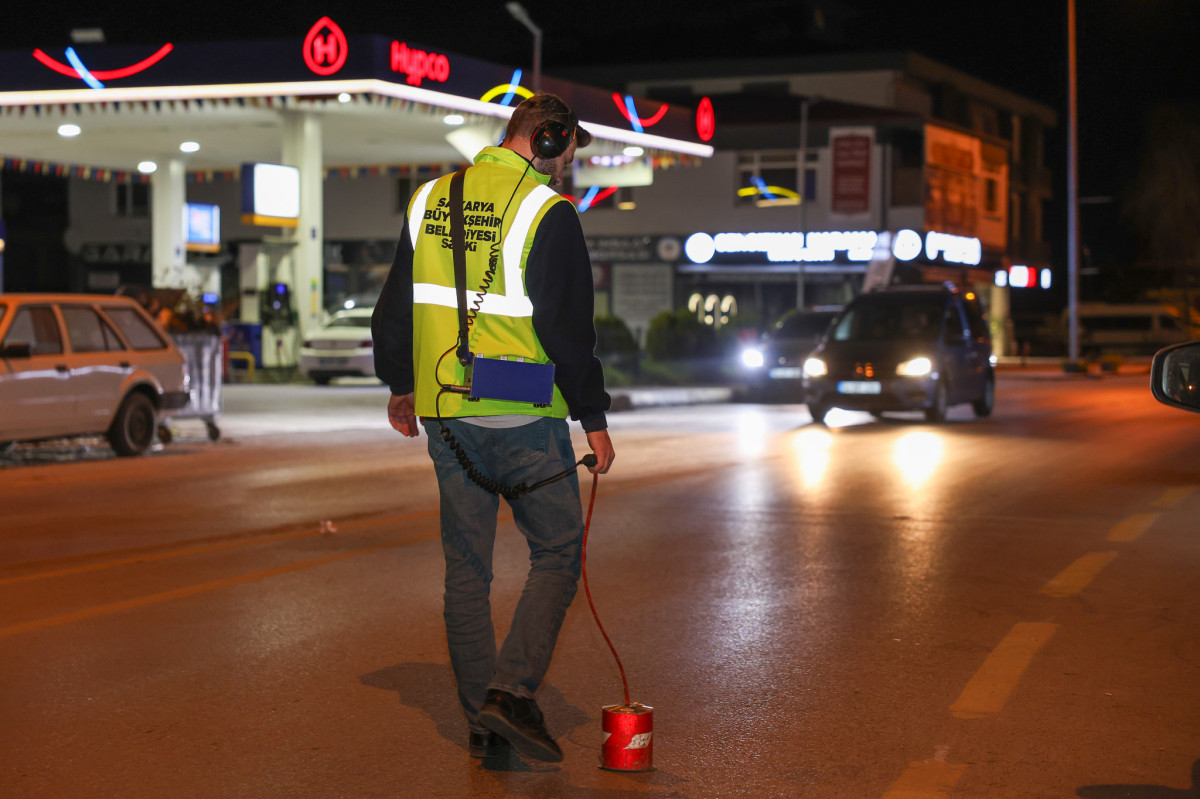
402, 414
602, 448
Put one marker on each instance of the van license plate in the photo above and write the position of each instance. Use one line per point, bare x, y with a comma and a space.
859, 387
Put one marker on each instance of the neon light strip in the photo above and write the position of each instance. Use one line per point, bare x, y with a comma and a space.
629, 111
326, 88
586, 202
88, 78
105, 74
762, 187
632, 115
512, 87
496, 91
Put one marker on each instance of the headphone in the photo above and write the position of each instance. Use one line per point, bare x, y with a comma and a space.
550, 139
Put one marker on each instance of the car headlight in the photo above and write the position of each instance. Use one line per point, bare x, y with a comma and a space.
815, 367
917, 367
752, 358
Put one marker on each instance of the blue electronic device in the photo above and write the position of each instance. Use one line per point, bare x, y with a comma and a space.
512, 379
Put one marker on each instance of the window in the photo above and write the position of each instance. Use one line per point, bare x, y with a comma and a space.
37, 327
772, 178
990, 195
87, 332
133, 200
137, 331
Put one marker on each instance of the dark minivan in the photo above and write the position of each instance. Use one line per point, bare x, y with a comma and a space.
904, 348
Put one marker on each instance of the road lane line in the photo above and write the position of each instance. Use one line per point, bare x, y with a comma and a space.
989, 689
1078, 575
1131, 527
204, 550
1173, 496
200, 588
926, 779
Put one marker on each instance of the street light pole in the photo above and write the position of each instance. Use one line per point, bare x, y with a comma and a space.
521, 15
1072, 193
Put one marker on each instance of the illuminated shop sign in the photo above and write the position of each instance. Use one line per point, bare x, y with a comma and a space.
1023, 277
824, 246
270, 195
202, 227
418, 64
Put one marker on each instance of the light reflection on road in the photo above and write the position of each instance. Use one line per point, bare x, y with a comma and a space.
812, 450
917, 456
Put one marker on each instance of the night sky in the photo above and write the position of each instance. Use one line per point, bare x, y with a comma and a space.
1132, 53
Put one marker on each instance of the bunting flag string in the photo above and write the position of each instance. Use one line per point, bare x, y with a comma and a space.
53, 169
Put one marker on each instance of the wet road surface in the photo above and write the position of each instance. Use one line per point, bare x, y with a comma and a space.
882, 608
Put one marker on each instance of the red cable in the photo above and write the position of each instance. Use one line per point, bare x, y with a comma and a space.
583, 558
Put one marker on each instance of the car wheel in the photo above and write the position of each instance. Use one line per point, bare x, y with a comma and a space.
321, 380
818, 411
936, 412
133, 428
983, 406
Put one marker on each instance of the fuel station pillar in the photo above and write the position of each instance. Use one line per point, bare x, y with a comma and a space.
302, 149
167, 256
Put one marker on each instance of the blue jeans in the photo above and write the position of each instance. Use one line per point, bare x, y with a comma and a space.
550, 518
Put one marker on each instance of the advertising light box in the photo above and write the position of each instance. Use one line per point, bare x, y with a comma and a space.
202, 227
270, 195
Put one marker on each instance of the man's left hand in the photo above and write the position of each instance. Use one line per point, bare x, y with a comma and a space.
402, 414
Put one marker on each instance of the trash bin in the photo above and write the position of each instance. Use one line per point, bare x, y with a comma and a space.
203, 355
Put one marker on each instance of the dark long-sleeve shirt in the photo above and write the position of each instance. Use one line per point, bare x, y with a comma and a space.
558, 281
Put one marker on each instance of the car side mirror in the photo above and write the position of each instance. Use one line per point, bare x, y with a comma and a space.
1175, 376
21, 349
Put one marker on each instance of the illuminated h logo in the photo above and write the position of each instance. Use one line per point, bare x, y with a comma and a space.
325, 54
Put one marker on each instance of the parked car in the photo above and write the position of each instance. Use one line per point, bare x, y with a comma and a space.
343, 348
772, 367
79, 364
1130, 328
905, 348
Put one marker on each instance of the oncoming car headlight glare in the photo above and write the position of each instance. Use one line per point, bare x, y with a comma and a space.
752, 358
917, 367
815, 367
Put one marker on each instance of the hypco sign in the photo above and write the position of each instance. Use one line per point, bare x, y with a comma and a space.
418, 64
325, 47
823, 246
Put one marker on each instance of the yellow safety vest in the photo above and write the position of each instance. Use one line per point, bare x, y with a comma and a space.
504, 324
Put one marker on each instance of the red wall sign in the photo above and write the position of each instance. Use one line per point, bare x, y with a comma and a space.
325, 47
418, 64
706, 120
851, 172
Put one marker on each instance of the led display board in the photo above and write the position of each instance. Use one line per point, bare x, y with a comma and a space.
202, 227
270, 195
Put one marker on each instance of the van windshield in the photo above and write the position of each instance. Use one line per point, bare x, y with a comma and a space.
889, 317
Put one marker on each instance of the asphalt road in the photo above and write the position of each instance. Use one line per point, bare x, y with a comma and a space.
984, 608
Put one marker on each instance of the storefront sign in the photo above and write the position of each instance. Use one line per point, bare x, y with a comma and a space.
633, 249
825, 246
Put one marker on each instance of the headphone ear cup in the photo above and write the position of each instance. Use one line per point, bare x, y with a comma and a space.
550, 139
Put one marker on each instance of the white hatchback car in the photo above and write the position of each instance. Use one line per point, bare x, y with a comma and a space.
343, 348
80, 364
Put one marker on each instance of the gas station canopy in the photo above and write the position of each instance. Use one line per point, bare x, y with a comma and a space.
380, 101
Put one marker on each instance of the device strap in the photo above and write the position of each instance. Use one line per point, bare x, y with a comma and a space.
459, 248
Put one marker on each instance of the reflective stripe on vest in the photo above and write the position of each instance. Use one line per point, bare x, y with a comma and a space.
513, 301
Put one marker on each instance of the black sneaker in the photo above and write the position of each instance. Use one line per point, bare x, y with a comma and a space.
487, 744
520, 722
